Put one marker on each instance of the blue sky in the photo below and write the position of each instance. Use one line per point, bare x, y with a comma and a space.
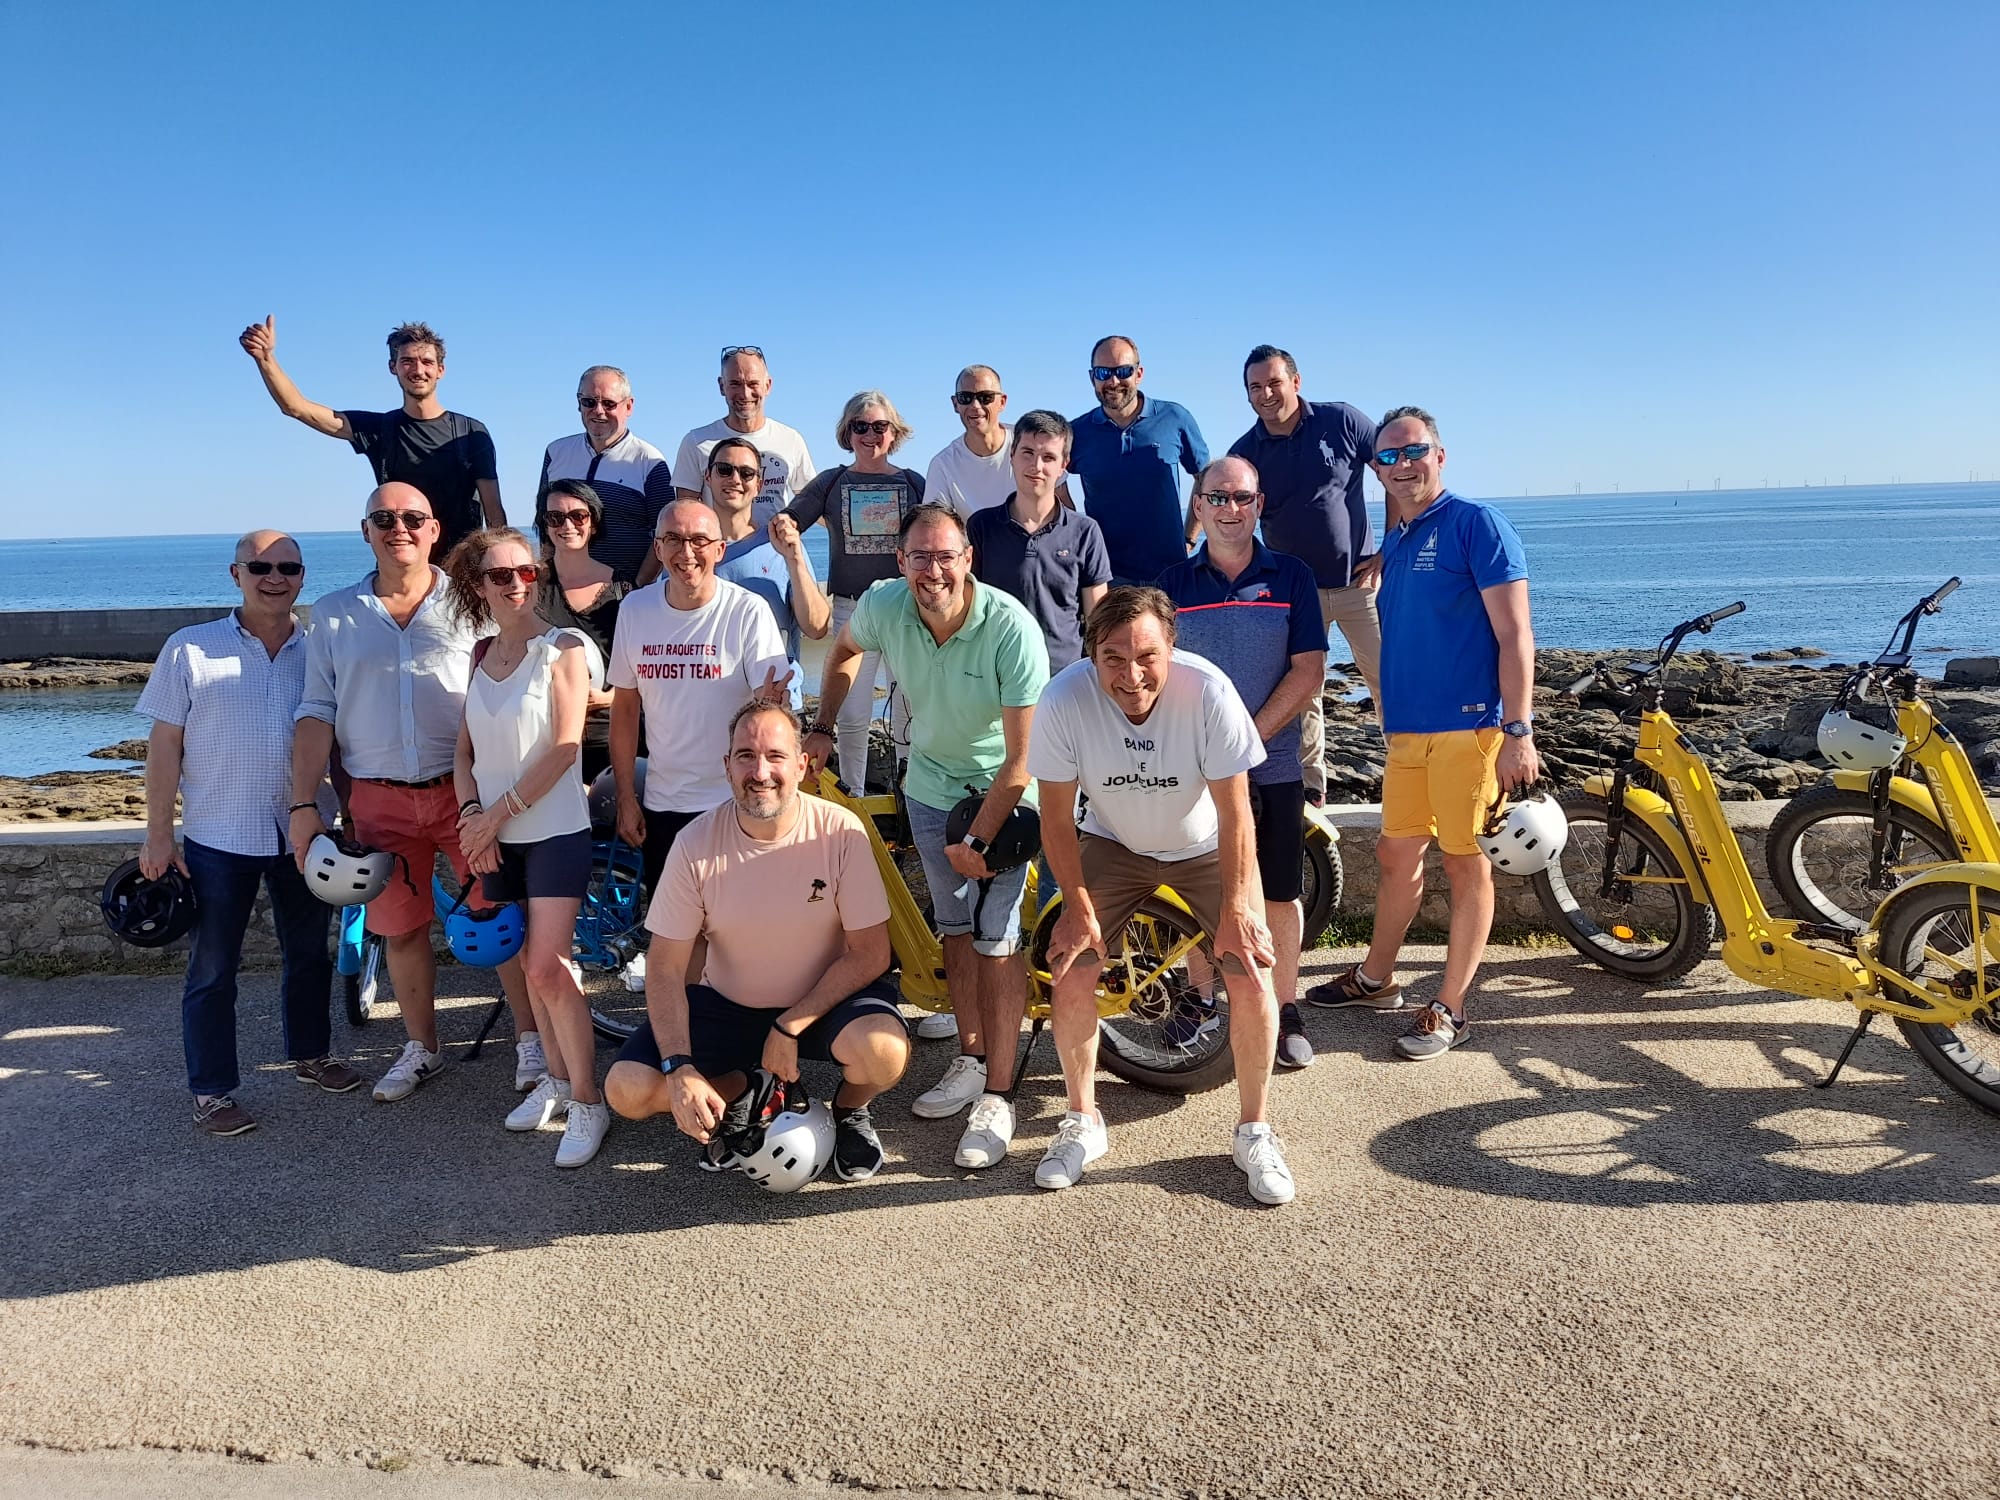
1606, 245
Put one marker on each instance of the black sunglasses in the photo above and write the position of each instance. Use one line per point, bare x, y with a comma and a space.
285, 570
729, 349
984, 398
743, 472
857, 427
385, 520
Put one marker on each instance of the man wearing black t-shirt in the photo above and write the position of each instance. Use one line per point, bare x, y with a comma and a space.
447, 456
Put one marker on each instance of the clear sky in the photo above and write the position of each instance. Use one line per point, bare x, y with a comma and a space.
1606, 244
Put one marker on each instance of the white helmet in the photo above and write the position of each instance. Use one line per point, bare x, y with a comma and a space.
796, 1144
1524, 837
1852, 745
342, 873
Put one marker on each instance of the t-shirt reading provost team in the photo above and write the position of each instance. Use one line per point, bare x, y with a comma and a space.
692, 668
1147, 784
863, 514
775, 914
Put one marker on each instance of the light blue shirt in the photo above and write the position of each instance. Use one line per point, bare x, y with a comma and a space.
751, 562
394, 694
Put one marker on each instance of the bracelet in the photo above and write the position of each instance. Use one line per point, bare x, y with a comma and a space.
301, 807
515, 804
819, 726
470, 804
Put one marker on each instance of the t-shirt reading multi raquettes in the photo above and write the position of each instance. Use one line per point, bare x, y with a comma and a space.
775, 914
693, 668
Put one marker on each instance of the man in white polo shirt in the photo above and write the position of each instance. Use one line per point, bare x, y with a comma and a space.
631, 477
1161, 745
971, 473
744, 382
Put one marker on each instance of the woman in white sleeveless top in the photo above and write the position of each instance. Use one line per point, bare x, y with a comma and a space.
524, 821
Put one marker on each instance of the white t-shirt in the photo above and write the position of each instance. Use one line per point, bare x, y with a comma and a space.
788, 468
693, 668
1147, 784
960, 477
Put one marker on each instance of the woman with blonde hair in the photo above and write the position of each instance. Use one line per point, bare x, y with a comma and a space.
862, 505
523, 822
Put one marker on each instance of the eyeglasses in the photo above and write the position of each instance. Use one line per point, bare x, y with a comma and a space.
387, 520
501, 577
858, 427
1388, 458
1112, 372
743, 472
923, 562
984, 398
730, 349
1231, 499
673, 541
558, 519
285, 570
609, 403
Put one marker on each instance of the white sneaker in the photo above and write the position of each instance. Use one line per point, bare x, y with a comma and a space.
1256, 1152
530, 1062
415, 1066
937, 1026
583, 1133
549, 1099
964, 1080
989, 1131
1080, 1140
635, 974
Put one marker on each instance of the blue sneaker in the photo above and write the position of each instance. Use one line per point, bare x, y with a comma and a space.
1191, 1021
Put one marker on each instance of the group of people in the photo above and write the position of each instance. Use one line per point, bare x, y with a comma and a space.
1147, 675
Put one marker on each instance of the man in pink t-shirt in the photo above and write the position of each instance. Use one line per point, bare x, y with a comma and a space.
785, 890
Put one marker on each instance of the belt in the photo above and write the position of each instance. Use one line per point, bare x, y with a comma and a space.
415, 786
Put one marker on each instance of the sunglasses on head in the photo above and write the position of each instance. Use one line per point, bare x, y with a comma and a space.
1388, 458
260, 568
743, 472
857, 427
984, 398
1112, 372
501, 577
729, 349
387, 520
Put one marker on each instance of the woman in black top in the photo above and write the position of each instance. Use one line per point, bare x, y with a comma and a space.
578, 592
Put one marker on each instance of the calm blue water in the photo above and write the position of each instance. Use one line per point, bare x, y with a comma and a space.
1830, 567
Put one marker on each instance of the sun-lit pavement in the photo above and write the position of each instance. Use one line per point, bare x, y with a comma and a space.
1613, 1246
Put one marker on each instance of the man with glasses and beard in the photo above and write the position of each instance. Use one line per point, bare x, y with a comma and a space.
971, 473
1125, 450
629, 476
745, 382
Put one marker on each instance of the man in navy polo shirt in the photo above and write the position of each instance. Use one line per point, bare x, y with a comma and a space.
1255, 614
1313, 456
630, 475
1125, 452
1036, 548
1458, 680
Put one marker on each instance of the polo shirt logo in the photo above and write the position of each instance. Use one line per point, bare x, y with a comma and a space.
1427, 555
819, 886
1326, 452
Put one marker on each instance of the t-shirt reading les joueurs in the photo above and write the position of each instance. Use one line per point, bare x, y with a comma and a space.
693, 668
444, 456
775, 914
863, 513
1146, 784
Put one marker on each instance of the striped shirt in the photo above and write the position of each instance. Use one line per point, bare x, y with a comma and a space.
634, 481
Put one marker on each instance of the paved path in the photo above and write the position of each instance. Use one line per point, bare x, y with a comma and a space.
1612, 1247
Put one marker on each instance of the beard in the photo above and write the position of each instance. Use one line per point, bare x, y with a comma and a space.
764, 802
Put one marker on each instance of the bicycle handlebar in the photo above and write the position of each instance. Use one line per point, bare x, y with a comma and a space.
1944, 592
1710, 620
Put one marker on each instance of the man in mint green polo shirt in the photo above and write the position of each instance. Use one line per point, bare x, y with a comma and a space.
972, 662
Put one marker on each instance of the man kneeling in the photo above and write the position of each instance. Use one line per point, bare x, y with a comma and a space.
784, 889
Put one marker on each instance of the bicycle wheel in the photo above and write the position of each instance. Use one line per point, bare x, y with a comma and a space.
363, 988
1820, 847
1321, 881
1652, 929
611, 1028
1172, 1036
1951, 933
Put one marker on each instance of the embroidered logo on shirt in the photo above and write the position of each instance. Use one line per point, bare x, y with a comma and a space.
818, 887
1326, 452
1427, 555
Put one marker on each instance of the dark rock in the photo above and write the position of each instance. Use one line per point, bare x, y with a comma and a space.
1973, 671
123, 750
59, 672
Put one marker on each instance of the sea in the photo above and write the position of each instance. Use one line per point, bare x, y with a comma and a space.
1831, 567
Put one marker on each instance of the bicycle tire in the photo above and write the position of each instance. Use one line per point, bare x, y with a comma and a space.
1657, 935
1927, 932
364, 988
608, 1028
1136, 1045
1322, 882
1821, 870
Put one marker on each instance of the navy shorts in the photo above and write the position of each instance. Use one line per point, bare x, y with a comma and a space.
725, 1037
554, 866
1278, 813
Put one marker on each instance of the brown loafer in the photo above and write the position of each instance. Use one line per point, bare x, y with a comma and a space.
329, 1073
1346, 989
223, 1116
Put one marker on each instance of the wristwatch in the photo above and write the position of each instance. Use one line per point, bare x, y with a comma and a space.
678, 1060
1518, 729
976, 844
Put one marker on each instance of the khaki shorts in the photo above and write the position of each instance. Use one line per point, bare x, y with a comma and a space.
1441, 786
1119, 881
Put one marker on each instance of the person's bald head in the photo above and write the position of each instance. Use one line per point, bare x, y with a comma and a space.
688, 518
269, 571
275, 546
396, 495
399, 523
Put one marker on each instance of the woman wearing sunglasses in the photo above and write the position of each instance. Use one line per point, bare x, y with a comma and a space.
580, 593
524, 824
862, 505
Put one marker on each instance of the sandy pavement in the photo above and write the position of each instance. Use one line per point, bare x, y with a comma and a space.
1614, 1246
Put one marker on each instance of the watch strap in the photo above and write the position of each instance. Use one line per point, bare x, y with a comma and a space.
677, 1060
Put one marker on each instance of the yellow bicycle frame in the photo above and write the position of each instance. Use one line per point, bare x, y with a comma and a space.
1948, 794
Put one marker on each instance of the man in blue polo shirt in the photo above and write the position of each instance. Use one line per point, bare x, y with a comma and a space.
1313, 457
1125, 452
1458, 681
1255, 614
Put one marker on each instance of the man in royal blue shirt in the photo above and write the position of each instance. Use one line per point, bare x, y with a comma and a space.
1312, 457
1458, 679
1125, 451
1255, 614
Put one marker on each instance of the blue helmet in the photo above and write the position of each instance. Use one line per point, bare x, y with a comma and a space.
485, 939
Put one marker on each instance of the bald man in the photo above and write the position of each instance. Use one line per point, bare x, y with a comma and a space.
221, 698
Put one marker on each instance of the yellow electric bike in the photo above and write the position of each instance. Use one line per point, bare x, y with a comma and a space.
1651, 867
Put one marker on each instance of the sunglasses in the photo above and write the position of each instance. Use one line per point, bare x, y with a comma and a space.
1231, 499
410, 520
285, 570
608, 403
729, 349
1388, 458
984, 398
1112, 372
743, 472
557, 519
501, 577
858, 427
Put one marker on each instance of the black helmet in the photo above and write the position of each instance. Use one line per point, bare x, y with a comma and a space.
147, 913
1018, 841
604, 797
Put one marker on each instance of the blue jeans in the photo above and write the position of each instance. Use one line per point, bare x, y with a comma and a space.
999, 914
225, 891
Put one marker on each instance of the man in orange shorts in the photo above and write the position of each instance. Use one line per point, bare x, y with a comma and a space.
1458, 679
